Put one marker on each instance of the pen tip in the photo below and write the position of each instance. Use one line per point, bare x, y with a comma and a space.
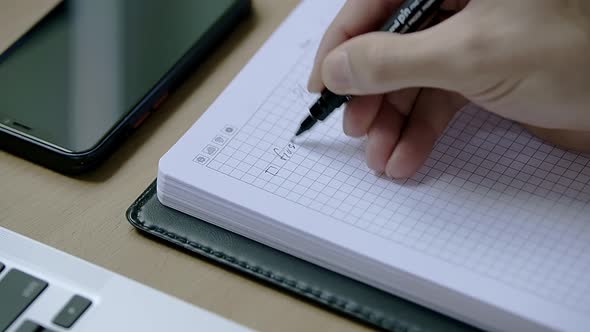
299, 132
305, 125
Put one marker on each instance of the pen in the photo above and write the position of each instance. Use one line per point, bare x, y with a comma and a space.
409, 17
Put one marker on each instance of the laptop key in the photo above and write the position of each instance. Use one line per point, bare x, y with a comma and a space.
72, 311
30, 326
17, 291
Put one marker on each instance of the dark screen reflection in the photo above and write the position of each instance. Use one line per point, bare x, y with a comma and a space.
88, 63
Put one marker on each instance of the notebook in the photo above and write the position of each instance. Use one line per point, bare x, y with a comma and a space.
493, 230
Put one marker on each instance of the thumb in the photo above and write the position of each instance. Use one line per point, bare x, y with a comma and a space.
379, 62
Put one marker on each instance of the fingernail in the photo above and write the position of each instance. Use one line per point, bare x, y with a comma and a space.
346, 125
337, 72
388, 175
379, 173
391, 167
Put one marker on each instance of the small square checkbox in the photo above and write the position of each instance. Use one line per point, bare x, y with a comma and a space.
272, 170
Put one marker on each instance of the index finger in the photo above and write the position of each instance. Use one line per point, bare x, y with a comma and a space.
355, 18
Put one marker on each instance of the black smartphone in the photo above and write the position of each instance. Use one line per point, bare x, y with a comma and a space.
86, 75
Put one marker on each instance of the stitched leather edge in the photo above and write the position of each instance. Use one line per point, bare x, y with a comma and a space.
348, 307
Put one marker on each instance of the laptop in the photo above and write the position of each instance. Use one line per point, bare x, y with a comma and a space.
44, 289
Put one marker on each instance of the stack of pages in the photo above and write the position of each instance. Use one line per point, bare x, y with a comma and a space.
494, 230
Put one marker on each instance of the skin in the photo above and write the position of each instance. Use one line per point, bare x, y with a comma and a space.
526, 60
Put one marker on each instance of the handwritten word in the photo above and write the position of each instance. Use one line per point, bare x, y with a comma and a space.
287, 152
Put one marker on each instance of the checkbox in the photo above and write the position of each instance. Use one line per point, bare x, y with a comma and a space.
272, 170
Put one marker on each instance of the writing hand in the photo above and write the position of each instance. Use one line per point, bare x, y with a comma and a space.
526, 60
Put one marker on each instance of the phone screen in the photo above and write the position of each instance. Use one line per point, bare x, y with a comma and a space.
85, 66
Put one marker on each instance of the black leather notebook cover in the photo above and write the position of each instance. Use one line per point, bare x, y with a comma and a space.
330, 290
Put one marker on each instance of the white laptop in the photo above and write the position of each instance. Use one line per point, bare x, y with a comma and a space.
44, 289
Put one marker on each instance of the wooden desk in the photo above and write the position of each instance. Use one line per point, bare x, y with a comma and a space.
85, 216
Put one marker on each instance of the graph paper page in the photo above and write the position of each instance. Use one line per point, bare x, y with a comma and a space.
494, 213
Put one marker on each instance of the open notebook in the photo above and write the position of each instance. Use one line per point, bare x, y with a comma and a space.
494, 230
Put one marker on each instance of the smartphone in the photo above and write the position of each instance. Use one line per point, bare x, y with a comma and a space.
86, 75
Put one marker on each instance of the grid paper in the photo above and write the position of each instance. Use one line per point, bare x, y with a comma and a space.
491, 198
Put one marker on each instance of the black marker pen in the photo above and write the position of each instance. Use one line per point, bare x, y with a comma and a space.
407, 18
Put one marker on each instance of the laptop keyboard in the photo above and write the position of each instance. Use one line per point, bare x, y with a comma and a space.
18, 290
71, 311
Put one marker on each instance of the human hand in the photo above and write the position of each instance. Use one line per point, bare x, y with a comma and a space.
526, 60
